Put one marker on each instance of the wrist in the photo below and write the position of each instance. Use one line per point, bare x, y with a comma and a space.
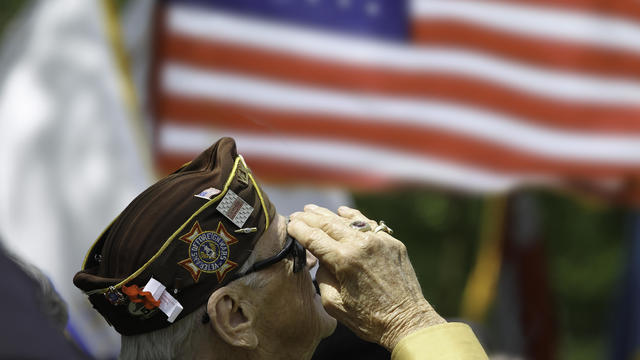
416, 317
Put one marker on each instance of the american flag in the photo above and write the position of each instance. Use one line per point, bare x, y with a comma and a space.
473, 95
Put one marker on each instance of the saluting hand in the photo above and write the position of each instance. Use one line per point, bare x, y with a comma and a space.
366, 279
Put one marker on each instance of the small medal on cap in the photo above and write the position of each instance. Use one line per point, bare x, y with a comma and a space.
243, 176
234, 208
115, 297
208, 193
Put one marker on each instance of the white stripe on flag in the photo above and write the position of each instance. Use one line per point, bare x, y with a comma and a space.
567, 25
492, 127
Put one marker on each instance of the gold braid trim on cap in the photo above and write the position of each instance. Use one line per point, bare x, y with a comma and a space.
179, 230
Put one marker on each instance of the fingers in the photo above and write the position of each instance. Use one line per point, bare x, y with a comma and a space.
350, 213
311, 208
321, 245
353, 215
332, 225
346, 214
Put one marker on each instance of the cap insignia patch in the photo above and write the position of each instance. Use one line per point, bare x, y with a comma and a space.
209, 251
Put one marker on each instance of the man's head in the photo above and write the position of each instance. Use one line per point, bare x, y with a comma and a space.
275, 313
186, 242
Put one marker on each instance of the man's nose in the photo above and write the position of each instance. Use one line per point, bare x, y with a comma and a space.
311, 260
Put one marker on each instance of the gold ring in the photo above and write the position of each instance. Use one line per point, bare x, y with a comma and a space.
383, 227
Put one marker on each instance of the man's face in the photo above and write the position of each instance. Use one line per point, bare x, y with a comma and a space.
290, 311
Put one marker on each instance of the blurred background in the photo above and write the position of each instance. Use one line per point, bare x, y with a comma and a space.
499, 139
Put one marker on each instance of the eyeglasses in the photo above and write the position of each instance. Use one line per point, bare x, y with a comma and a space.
291, 248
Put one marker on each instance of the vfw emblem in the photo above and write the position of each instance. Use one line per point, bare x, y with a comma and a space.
209, 251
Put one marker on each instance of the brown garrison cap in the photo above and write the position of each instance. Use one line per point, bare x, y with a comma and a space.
190, 231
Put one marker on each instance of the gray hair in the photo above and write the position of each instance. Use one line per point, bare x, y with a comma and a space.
176, 340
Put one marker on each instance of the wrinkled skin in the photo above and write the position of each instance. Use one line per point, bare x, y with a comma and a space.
366, 279
290, 313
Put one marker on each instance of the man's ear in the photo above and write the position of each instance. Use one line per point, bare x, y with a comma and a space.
232, 318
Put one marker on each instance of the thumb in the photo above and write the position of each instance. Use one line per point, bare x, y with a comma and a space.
329, 291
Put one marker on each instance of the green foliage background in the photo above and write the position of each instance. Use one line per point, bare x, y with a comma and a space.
585, 245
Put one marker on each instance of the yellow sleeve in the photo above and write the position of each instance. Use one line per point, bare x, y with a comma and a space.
444, 341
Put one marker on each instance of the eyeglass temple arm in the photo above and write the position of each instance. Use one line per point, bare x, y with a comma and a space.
267, 262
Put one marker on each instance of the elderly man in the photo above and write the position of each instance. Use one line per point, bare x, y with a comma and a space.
200, 266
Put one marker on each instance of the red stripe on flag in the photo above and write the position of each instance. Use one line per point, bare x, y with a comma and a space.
286, 171
448, 87
546, 52
420, 140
